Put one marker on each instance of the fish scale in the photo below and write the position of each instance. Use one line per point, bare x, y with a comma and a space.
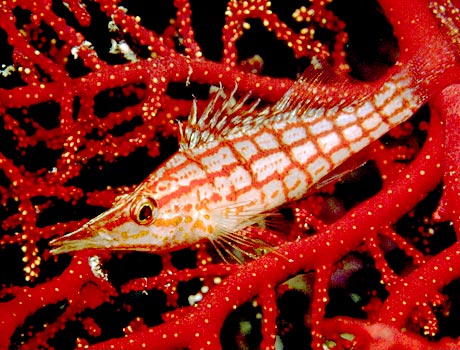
307, 146
236, 164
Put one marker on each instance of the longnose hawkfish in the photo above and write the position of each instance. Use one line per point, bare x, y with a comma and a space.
235, 164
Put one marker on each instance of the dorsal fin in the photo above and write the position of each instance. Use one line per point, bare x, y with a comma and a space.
319, 89
221, 117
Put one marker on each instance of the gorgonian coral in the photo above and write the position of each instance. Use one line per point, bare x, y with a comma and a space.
90, 96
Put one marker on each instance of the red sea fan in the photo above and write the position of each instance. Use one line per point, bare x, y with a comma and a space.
90, 96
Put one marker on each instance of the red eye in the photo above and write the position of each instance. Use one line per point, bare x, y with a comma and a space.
144, 210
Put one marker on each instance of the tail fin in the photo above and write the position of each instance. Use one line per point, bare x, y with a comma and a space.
449, 17
430, 66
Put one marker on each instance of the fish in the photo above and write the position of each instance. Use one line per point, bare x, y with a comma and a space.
238, 162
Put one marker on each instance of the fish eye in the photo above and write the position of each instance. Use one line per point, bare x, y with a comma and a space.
144, 211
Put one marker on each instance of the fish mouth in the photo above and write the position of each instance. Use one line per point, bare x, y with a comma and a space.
81, 239
92, 235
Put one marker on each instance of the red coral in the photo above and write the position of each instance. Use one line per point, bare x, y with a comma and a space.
90, 94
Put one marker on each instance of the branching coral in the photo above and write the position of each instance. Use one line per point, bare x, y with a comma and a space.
90, 95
